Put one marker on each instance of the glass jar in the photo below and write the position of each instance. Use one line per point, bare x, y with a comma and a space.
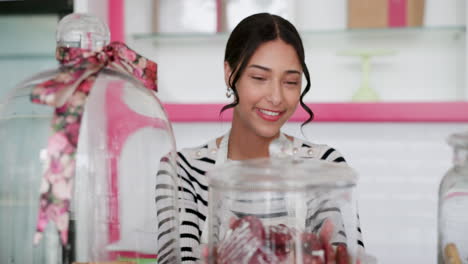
123, 135
282, 211
453, 206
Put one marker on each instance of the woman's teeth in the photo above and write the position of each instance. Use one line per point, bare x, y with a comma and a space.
266, 112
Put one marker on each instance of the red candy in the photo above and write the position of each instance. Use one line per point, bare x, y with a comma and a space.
342, 254
250, 242
246, 238
279, 239
329, 254
253, 223
309, 259
310, 242
262, 256
279, 235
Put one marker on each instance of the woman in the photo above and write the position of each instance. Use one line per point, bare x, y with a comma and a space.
263, 67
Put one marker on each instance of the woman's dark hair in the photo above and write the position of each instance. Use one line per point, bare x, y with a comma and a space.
248, 35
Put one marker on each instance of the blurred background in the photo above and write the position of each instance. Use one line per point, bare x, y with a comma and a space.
396, 139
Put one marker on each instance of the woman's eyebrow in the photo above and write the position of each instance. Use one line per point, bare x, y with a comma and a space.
293, 71
269, 70
260, 67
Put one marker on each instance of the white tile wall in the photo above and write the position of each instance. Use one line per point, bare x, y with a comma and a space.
400, 166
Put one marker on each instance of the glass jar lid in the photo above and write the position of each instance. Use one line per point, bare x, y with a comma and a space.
282, 175
459, 140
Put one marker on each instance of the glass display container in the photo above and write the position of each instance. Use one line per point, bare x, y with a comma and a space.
453, 206
124, 133
281, 210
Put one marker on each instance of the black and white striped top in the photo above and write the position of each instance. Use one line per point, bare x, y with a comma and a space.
192, 166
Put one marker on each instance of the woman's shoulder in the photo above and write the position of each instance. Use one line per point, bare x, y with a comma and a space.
306, 149
205, 153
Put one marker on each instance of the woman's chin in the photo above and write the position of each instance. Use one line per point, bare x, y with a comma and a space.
268, 132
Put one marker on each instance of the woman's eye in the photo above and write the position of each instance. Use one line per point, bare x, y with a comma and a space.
258, 78
292, 83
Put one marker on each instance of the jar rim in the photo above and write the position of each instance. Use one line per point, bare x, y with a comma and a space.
282, 175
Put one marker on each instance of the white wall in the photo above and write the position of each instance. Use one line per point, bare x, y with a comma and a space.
400, 166
24, 49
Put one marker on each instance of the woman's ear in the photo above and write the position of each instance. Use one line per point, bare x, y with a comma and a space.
227, 73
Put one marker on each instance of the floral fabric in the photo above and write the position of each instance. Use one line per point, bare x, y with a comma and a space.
67, 92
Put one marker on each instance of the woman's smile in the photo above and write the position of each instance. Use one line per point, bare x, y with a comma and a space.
269, 115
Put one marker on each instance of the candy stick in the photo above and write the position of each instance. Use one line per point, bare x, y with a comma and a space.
451, 254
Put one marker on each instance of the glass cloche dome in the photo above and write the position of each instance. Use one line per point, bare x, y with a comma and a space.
101, 192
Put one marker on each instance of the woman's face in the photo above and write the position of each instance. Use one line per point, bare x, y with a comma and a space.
268, 89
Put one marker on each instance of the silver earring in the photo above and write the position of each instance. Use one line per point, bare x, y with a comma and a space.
229, 92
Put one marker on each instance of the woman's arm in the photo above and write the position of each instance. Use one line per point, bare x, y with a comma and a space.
188, 224
329, 210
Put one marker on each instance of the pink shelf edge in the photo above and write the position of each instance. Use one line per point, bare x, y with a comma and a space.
338, 112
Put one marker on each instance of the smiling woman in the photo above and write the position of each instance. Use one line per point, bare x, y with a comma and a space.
263, 68
267, 92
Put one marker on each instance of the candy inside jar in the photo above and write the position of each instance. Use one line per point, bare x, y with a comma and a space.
282, 211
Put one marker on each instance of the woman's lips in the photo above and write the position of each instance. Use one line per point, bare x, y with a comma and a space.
269, 115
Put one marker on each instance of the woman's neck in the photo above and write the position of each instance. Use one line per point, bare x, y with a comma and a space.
245, 144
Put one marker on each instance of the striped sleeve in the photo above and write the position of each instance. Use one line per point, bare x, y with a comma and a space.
166, 212
331, 154
190, 217
193, 204
188, 223
326, 209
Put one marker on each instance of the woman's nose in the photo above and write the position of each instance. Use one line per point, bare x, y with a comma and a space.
276, 94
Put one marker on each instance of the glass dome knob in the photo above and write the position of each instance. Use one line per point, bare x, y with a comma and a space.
82, 31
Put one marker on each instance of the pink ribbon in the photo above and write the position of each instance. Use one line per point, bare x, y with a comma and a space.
67, 92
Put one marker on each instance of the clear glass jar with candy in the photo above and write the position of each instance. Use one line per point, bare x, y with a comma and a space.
453, 205
281, 210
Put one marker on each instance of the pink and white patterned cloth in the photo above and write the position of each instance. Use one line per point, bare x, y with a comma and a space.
67, 92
